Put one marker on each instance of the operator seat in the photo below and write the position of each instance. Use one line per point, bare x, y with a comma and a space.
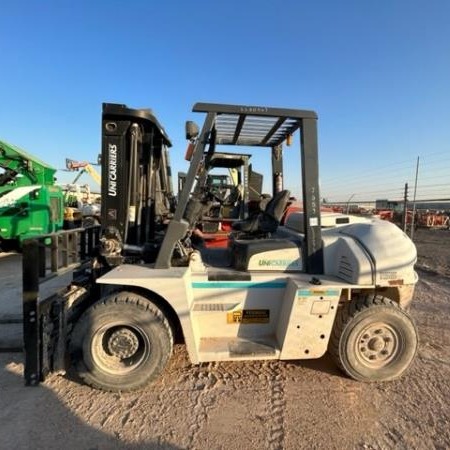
267, 221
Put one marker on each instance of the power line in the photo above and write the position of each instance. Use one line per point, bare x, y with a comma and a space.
346, 184
363, 175
389, 169
424, 155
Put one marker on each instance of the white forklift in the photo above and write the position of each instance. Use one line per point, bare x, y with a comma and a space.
277, 292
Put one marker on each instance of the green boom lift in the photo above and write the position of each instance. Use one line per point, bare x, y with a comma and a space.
30, 202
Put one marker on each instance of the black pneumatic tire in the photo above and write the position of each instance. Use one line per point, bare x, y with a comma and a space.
121, 343
373, 339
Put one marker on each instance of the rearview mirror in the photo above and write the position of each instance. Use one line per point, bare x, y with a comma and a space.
192, 130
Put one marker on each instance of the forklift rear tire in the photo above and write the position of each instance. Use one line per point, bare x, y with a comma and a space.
373, 339
121, 343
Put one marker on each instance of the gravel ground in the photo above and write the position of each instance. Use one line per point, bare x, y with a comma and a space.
253, 405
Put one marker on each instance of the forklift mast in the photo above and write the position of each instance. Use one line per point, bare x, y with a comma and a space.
254, 126
136, 181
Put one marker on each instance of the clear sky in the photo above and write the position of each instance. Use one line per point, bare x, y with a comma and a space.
377, 73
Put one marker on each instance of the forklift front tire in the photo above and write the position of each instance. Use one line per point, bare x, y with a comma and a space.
121, 343
373, 339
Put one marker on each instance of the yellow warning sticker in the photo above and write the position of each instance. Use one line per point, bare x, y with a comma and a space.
245, 316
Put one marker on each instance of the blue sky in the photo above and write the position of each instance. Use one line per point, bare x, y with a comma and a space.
377, 73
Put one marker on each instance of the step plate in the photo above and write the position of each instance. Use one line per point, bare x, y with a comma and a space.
249, 348
226, 349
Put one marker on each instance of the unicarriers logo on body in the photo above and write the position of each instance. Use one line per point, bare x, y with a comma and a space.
112, 170
279, 262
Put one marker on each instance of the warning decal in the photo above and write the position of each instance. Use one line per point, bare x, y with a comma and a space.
249, 316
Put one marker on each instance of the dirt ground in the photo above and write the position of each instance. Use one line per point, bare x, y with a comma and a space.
253, 405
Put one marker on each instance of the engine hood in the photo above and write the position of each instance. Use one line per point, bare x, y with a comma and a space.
392, 252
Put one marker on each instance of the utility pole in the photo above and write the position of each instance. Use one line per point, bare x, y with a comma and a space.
348, 203
414, 201
405, 207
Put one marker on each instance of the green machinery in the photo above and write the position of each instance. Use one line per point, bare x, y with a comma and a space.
30, 202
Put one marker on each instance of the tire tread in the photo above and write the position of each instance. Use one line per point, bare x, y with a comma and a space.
347, 313
130, 299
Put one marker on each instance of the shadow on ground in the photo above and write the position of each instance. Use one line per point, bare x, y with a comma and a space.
34, 417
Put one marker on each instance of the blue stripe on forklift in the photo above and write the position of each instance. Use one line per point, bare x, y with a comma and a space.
239, 284
317, 292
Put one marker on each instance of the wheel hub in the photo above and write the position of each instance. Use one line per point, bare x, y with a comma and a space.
377, 345
123, 343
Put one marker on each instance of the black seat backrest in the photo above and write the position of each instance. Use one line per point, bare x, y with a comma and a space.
276, 206
267, 221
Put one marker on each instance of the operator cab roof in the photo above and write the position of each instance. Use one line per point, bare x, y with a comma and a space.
257, 126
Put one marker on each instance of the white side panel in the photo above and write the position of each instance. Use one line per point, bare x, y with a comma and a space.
174, 285
307, 320
346, 259
343, 256
219, 305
